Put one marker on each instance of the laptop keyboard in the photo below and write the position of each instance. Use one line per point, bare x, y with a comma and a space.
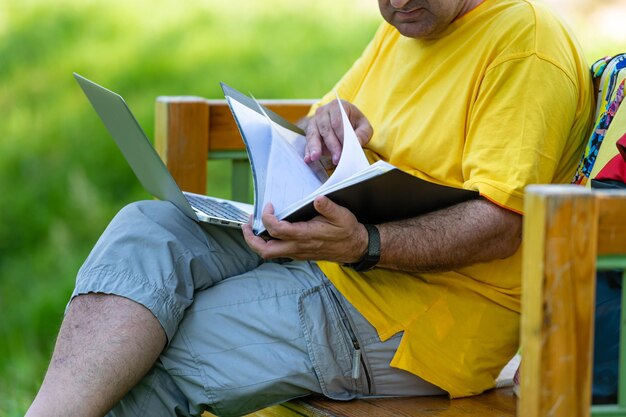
219, 209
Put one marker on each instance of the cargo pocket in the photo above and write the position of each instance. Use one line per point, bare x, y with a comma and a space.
360, 371
332, 344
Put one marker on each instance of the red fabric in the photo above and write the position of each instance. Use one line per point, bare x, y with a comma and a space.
621, 146
615, 169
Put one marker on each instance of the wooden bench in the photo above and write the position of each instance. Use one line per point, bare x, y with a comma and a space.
565, 229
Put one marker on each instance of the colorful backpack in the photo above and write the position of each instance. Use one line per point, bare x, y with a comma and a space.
609, 76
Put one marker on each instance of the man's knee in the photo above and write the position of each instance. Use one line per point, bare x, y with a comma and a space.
158, 222
152, 211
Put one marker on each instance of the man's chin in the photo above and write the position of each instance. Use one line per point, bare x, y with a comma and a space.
416, 30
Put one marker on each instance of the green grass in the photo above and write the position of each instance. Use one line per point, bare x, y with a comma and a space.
61, 177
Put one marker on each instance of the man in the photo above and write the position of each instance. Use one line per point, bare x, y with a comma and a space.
169, 317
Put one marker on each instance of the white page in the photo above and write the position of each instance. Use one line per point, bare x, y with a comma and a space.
289, 178
299, 143
374, 170
352, 159
257, 135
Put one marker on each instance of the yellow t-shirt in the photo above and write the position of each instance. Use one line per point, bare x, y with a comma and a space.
502, 99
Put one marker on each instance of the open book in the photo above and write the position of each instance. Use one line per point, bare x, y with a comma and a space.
375, 193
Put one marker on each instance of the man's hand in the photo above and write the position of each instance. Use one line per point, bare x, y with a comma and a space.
324, 130
334, 235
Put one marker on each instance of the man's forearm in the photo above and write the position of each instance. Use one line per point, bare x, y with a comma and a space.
467, 233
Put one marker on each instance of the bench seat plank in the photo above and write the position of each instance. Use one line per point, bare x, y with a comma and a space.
495, 403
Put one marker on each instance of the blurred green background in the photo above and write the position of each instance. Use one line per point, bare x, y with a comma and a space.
61, 177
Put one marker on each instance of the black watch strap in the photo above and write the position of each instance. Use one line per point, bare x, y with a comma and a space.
372, 255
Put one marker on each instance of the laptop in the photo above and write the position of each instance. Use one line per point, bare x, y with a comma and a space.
148, 166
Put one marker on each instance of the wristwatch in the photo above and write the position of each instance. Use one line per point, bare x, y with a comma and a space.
372, 255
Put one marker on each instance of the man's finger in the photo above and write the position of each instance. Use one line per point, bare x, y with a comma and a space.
336, 122
279, 229
362, 126
332, 212
267, 216
364, 131
326, 131
256, 243
313, 149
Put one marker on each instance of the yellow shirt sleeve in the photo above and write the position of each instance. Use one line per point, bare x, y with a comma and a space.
517, 133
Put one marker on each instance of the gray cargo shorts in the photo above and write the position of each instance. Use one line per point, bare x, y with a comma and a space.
242, 333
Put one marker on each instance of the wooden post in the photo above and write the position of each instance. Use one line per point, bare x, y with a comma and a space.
558, 294
611, 225
182, 130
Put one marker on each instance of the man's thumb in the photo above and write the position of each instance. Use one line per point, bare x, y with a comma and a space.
325, 207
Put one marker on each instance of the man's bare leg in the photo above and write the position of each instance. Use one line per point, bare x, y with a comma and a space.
105, 346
